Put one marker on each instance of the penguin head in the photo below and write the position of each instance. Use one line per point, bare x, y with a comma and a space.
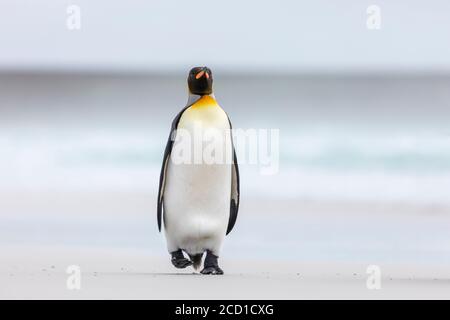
200, 81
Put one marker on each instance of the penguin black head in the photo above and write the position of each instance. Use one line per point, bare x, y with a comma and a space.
200, 81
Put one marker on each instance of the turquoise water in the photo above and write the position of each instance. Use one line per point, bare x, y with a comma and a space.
338, 150
383, 139
331, 165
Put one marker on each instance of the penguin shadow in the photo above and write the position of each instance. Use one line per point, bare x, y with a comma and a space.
177, 274
130, 273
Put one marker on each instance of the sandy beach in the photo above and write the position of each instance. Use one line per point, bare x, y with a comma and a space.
40, 273
319, 252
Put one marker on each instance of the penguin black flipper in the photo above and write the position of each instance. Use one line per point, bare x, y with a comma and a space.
162, 176
235, 188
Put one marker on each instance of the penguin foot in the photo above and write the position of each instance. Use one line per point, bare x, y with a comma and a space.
179, 261
212, 270
211, 265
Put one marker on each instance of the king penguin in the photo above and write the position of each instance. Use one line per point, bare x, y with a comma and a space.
198, 201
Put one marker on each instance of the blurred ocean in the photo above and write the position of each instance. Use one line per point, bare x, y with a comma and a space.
341, 138
372, 146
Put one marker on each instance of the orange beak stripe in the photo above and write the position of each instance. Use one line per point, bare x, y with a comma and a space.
199, 75
207, 75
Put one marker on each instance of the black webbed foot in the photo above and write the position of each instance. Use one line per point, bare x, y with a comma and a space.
211, 265
179, 261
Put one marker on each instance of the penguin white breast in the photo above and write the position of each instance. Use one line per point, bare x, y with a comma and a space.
197, 192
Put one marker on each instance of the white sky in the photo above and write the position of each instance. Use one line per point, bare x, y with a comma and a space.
318, 35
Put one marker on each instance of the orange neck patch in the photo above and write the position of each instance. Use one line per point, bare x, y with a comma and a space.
205, 101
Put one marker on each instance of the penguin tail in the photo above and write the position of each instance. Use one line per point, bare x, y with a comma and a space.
196, 260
